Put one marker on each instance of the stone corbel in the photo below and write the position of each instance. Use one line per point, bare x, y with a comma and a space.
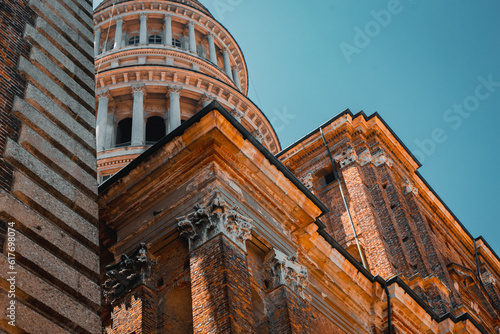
212, 218
128, 273
285, 270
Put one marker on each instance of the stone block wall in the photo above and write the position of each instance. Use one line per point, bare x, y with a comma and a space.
48, 188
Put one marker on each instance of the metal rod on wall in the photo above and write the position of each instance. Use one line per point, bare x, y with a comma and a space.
343, 198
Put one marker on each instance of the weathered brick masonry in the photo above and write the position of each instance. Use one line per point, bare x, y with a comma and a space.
14, 15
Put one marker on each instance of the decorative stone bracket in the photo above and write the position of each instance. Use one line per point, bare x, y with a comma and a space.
212, 218
129, 273
285, 270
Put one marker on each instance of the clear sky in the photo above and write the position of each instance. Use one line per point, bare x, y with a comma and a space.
430, 68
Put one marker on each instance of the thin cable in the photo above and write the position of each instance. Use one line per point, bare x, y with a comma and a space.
343, 198
255, 90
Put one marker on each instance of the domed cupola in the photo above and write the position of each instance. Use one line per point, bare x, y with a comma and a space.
157, 63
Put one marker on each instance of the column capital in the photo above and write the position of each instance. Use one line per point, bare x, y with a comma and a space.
143, 16
167, 16
174, 89
129, 272
347, 157
119, 19
139, 88
103, 93
209, 35
190, 24
234, 68
285, 270
214, 217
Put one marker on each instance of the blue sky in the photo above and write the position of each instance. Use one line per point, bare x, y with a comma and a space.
430, 68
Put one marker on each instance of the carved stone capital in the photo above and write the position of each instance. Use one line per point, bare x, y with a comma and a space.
144, 16
346, 158
308, 181
139, 88
285, 270
381, 158
364, 157
103, 94
212, 218
174, 89
128, 273
408, 187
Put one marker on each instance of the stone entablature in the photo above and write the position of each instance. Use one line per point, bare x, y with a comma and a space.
212, 218
128, 273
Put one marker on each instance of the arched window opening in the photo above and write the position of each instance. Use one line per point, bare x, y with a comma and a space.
124, 132
134, 40
155, 129
154, 39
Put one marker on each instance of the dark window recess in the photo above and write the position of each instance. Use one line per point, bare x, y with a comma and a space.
3, 232
105, 177
329, 178
133, 40
154, 39
155, 129
124, 131
176, 42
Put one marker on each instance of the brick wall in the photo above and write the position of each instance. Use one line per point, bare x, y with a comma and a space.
14, 15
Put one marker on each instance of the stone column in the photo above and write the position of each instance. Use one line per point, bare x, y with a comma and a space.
227, 63
211, 48
138, 125
143, 30
174, 114
97, 42
110, 131
168, 30
236, 77
221, 298
192, 37
287, 281
118, 33
102, 119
